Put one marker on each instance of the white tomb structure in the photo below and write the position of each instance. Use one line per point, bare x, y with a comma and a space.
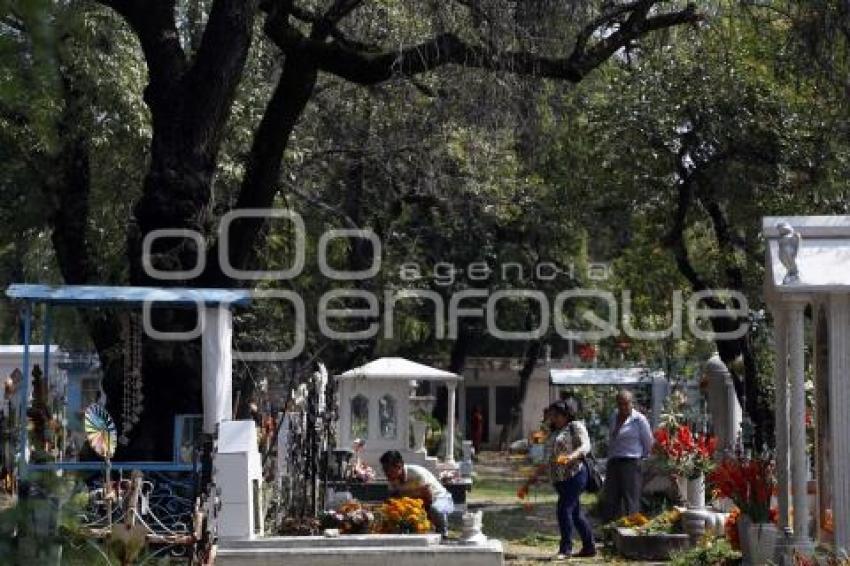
723, 405
808, 265
239, 474
376, 405
237, 466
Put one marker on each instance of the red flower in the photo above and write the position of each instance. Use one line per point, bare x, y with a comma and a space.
587, 352
773, 515
749, 484
684, 452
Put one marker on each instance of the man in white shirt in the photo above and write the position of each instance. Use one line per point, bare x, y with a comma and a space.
629, 442
410, 480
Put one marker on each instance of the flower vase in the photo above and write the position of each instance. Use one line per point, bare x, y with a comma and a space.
696, 492
743, 525
682, 487
758, 545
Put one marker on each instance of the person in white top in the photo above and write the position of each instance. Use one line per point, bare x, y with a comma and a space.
410, 480
630, 441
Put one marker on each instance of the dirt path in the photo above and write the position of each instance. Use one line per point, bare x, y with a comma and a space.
528, 530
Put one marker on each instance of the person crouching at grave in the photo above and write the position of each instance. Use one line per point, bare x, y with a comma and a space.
416, 482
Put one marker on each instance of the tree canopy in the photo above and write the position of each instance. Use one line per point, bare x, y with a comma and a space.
468, 134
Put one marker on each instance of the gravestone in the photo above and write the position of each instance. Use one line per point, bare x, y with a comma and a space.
723, 405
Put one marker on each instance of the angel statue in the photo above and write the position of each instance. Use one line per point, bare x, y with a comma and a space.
789, 245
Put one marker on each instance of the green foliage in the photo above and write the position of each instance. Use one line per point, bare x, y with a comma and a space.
710, 552
454, 167
37, 530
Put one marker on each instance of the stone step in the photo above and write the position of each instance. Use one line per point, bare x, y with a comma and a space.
254, 554
360, 541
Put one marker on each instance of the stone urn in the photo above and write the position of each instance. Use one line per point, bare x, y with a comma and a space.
471, 532
420, 405
419, 430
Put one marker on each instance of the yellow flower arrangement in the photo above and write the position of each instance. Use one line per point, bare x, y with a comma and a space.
402, 515
632, 521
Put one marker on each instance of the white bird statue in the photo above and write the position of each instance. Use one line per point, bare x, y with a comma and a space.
789, 246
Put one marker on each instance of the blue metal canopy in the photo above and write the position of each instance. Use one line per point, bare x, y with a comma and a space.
89, 296
97, 295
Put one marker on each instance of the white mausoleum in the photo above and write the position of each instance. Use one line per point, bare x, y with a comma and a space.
377, 406
808, 266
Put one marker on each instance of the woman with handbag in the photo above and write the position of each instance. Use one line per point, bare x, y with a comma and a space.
566, 448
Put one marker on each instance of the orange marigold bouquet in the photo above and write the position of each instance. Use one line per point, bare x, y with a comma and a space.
402, 515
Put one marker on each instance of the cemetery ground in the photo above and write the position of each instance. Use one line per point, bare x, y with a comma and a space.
529, 531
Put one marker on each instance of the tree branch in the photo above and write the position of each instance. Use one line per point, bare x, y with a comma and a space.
675, 239
447, 48
212, 80
153, 22
260, 182
335, 14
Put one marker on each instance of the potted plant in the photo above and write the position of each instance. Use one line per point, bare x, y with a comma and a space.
687, 455
750, 484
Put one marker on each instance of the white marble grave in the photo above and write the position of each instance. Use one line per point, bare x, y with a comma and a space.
238, 474
358, 550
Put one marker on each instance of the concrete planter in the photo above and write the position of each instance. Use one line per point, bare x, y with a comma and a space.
638, 546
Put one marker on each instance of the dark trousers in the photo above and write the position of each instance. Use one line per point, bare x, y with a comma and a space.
569, 512
623, 484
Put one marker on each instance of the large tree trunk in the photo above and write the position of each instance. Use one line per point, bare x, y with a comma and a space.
747, 388
532, 356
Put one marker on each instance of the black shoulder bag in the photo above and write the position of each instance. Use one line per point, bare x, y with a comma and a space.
594, 473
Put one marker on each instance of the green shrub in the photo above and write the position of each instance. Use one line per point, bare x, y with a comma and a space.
710, 552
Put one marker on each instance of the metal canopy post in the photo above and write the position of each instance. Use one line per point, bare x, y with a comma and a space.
23, 419
48, 329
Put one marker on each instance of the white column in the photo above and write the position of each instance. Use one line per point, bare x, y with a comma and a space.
780, 317
450, 422
659, 394
799, 473
461, 417
216, 366
839, 413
